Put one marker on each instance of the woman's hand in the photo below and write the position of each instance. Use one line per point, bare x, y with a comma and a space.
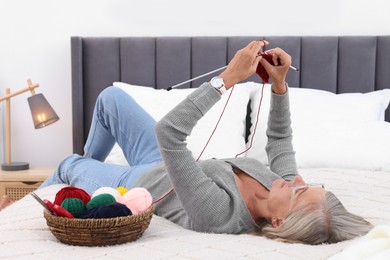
278, 73
243, 64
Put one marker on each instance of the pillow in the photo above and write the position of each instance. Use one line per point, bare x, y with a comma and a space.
353, 145
330, 130
227, 141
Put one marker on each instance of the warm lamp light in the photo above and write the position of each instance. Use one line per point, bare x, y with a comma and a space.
42, 114
41, 111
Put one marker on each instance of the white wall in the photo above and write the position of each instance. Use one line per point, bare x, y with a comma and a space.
35, 43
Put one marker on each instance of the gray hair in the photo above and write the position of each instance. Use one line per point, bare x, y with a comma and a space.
327, 222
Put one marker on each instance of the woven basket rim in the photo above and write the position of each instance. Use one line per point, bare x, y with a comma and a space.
99, 232
97, 222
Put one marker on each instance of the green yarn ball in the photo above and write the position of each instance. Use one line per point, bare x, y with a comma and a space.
101, 199
75, 206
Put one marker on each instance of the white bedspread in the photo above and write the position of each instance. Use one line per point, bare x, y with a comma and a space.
25, 235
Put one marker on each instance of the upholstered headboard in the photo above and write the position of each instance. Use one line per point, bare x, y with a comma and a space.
339, 64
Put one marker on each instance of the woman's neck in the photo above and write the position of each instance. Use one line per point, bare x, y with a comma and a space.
253, 193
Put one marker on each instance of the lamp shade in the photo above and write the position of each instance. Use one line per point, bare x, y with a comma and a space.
41, 111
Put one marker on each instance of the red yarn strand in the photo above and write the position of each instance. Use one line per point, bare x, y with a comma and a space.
205, 146
216, 125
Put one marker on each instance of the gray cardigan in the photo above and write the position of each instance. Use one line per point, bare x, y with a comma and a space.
206, 197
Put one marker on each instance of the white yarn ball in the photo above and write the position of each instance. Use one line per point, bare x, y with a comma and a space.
107, 190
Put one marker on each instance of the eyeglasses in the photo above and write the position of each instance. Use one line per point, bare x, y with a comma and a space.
295, 189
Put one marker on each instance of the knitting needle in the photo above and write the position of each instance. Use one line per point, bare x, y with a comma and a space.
208, 73
198, 77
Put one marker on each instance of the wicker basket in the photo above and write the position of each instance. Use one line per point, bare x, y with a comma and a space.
99, 232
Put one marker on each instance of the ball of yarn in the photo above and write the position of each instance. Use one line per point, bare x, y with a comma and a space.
107, 190
122, 190
71, 192
76, 207
101, 199
137, 199
112, 210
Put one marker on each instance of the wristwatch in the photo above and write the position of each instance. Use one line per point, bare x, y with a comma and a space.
218, 84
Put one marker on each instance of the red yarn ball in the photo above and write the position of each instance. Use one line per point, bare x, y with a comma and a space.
71, 192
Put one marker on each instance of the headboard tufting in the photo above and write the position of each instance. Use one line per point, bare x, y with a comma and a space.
340, 64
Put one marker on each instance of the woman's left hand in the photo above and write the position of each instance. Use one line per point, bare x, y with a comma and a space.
278, 73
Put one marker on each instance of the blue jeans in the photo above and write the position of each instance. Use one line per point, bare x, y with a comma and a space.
116, 118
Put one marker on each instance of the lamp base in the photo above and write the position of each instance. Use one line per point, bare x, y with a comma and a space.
15, 166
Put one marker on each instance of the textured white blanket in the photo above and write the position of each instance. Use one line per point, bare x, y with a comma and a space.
375, 245
25, 235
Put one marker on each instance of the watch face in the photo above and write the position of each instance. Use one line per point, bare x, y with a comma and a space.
217, 82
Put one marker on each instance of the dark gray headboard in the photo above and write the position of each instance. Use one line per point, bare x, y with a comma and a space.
339, 64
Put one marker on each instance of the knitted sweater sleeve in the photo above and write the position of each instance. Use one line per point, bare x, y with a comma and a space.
281, 155
205, 203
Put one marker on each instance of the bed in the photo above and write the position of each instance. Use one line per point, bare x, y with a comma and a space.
339, 99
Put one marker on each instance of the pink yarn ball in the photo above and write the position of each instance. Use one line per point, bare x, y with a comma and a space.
137, 200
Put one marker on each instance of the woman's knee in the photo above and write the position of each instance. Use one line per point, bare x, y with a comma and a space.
65, 165
112, 95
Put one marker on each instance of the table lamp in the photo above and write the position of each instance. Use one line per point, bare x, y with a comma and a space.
42, 114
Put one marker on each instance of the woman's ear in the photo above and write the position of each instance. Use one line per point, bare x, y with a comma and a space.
277, 221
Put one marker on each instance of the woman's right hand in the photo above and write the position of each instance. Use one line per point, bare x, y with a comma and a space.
243, 64
278, 73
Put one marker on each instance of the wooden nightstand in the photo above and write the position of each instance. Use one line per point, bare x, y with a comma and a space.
17, 184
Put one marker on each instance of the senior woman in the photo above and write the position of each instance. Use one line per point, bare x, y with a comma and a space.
236, 195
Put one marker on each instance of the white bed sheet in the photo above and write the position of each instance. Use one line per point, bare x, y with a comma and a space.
25, 235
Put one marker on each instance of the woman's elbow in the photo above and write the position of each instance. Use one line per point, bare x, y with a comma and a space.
160, 130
